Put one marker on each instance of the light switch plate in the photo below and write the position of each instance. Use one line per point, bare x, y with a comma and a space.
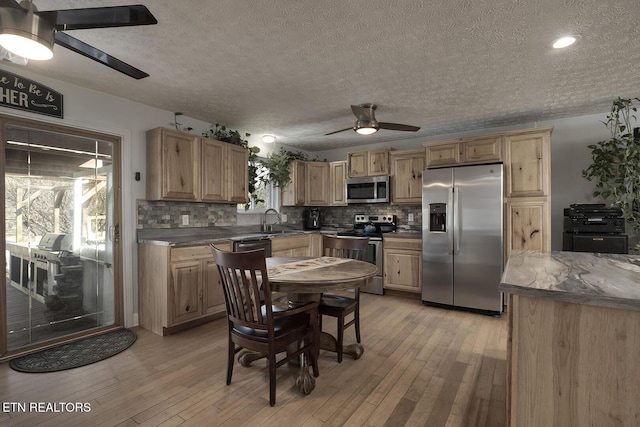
283, 217
410, 217
185, 219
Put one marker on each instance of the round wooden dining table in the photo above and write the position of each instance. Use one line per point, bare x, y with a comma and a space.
304, 279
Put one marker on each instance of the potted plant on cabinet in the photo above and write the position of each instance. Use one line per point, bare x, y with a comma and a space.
615, 166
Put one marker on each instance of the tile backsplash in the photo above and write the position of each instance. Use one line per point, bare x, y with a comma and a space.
158, 214
164, 214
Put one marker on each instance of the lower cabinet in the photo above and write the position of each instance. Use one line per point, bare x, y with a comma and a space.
528, 224
402, 264
178, 287
287, 246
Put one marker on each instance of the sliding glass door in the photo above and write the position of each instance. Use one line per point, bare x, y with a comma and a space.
61, 214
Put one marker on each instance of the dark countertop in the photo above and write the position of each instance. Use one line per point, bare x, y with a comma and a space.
607, 280
205, 235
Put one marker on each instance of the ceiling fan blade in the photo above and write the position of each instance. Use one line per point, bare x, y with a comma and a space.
341, 130
98, 17
91, 52
397, 126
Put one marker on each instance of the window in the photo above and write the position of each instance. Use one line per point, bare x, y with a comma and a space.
266, 195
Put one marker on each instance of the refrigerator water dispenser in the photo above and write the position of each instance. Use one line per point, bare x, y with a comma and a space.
438, 217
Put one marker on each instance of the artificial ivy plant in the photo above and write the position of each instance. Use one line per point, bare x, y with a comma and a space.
616, 163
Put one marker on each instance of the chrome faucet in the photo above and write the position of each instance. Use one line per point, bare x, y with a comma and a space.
269, 227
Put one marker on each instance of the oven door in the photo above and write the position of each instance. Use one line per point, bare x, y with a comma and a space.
373, 255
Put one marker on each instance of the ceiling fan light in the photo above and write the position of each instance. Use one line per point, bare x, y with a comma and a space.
365, 130
366, 127
26, 34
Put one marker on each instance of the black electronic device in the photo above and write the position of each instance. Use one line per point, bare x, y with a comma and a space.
594, 225
596, 243
592, 210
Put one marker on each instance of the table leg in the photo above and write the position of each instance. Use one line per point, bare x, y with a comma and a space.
247, 357
328, 342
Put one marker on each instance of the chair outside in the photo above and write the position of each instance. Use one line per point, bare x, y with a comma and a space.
254, 324
339, 306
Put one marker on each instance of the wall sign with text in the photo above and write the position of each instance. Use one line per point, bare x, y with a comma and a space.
24, 94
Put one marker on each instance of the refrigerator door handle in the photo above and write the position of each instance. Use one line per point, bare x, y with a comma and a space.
450, 224
456, 220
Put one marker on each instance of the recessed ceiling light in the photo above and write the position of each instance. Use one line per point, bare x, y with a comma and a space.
268, 139
563, 42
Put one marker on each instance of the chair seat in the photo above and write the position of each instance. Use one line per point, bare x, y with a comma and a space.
336, 301
281, 325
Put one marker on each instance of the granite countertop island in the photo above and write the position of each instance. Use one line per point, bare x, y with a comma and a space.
608, 280
574, 339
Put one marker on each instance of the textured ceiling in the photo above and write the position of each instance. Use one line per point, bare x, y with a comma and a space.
292, 68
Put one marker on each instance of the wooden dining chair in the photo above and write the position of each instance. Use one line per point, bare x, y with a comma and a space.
254, 323
340, 306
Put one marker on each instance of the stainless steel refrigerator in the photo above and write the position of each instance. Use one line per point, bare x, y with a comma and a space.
462, 252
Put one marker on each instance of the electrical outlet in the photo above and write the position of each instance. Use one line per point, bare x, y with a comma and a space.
283, 217
410, 217
185, 219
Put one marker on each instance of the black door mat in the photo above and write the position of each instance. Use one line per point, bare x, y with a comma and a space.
76, 354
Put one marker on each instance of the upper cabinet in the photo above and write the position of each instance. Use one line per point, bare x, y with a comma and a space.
337, 178
406, 176
172, 157
317, 186
187, 167
310, 184
368, 163
293, 193
464, 151
527, 164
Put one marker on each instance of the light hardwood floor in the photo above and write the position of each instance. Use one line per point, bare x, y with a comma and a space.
422, 366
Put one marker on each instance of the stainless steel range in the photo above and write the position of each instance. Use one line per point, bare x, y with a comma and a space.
373, 227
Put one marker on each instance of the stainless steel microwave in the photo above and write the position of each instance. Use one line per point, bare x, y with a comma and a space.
368, 189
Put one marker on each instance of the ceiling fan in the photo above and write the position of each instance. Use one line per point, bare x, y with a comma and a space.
366, 122
22, 24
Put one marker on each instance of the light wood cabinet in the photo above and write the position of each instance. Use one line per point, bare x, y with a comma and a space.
447, 154
310, 185
464, 151
293, 194
406, 173
337, 181
237, 172
527, 164
528, 225
317, 188
178, 287
402, 265
287, 246
186, 167
368, 163
172, 157
527, 190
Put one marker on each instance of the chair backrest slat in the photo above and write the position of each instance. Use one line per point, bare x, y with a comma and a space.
245, 282
344, 247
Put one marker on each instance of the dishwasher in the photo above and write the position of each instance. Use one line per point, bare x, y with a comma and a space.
253, 244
